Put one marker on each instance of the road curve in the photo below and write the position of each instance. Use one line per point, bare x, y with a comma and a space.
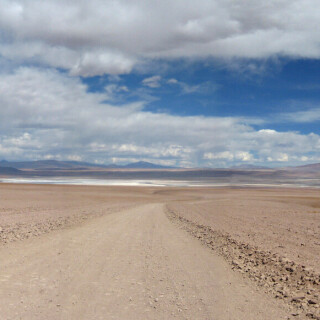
133, 264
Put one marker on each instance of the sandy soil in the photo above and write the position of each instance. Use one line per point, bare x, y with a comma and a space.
283, 221
271, 236
31, 210
133, 259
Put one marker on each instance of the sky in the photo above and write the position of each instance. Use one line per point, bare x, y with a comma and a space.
180, 83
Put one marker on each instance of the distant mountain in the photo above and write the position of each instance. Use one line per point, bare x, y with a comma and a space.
144, 165
248, 166
314, 167
10, 171
75, 165
47, 164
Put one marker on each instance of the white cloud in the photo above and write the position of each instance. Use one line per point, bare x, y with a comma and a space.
152, 82
187, 89
204, 87
229, 156
95, 37
45, 112
172, 81
305, 116
94, 63
280, 157
244, 156
225, 155
112, 90
267, 131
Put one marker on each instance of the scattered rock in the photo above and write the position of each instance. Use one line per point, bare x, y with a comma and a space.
297, 299
278, 275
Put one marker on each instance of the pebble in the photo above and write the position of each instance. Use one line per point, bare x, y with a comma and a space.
277, 274
297, 299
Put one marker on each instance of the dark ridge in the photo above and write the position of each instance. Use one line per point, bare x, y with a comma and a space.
249, 167
55, 164
46, 164
10, 171
315, 167
145, 165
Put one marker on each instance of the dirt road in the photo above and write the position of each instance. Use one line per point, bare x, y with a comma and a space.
134, 264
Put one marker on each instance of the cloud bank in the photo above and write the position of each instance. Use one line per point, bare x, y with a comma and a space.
48, 114
47, 47
97, 37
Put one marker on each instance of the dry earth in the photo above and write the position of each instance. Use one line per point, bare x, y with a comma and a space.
129, 261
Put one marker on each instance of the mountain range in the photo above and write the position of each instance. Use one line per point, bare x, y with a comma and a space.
56, 165
76, 165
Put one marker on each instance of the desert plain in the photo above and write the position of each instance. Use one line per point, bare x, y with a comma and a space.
102, 252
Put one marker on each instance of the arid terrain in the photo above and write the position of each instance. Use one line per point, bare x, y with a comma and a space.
306, 176
80, 252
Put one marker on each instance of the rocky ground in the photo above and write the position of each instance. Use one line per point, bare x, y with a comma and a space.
28, 211
131, 264
268, 236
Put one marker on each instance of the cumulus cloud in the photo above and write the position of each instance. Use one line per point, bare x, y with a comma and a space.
281, 157
94, 63
225, 155
94, 37
45, 113
244, 156
229, 156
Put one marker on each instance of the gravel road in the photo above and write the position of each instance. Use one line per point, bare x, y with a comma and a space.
132, 264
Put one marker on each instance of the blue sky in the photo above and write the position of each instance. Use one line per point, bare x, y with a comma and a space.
262, 89
215, 84
213, 88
